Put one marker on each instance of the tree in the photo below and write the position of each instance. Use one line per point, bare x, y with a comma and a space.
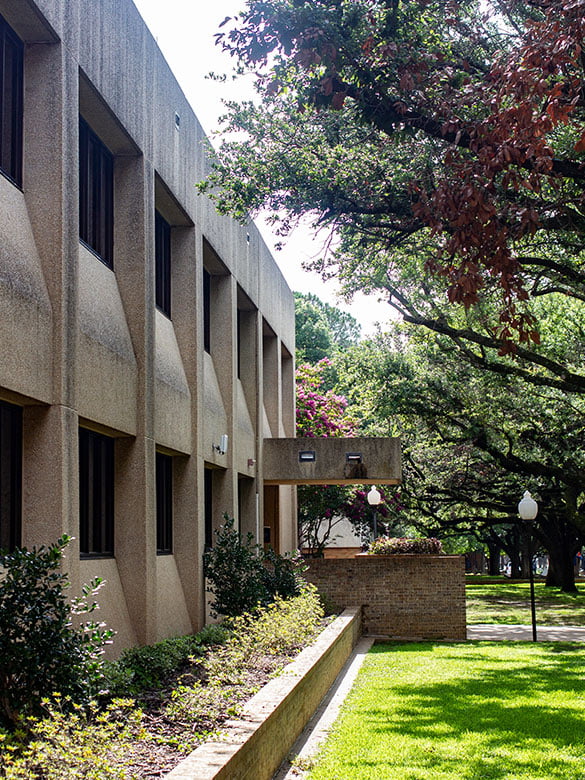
473, 441
448, 132
444, 144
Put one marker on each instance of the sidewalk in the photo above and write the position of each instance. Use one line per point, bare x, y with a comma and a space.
521, 633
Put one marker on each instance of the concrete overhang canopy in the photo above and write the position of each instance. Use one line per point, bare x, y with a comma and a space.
332, 461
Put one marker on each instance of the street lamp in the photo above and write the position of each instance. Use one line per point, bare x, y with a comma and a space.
528, 509
374, 500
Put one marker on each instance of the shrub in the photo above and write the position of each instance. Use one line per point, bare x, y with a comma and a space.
282, 573
242, 576
278, 629
403, 546
41, 652
83, 744
144, 668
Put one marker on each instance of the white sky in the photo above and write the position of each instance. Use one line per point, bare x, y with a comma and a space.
184, 30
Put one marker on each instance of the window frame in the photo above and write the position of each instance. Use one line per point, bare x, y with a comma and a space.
10, 476
96, 494
11, 103
208, 506
162, 263
96, 195
207, 311
164, 504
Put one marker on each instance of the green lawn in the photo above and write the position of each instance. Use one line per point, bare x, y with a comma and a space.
503, 711
510, 603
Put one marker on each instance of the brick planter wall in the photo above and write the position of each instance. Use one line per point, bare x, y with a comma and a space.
403, 596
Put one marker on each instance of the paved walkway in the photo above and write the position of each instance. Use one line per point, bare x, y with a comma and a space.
318, 727
524, 633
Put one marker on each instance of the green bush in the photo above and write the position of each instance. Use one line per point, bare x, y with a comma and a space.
86, 744
279, 629
146, 668
403, 546
41, 651
242, 576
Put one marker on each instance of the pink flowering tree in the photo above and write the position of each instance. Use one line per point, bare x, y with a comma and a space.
320, 412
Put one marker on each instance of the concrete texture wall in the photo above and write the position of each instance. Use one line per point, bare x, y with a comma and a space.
334, 461
83, 344
403, 596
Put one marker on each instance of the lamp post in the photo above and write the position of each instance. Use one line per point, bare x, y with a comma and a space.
374, 500
528, 509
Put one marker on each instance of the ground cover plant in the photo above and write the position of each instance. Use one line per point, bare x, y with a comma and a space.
509, 603
182, 692
499, 711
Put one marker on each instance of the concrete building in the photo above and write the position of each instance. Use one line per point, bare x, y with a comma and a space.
146, 343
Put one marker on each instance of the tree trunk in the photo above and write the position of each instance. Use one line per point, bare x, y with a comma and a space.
561, 571
494, 559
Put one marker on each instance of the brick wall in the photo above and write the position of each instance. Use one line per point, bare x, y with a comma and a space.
403, 596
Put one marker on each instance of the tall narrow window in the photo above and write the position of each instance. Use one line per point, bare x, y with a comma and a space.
96, 494
206, 311
164, 504
208, 509
96, 194
10, 475
239, 343
162, 251
11, 83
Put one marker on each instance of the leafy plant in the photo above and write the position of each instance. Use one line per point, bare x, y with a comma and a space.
403, 546
41, 651
148, 667
242, 576
86, 744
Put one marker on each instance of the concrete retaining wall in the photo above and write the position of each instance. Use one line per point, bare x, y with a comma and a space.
403, 596
271, 721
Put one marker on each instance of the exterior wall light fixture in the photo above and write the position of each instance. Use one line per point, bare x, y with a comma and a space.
307, 456
222, 447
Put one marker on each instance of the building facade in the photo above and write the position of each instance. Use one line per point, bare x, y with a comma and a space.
146, 343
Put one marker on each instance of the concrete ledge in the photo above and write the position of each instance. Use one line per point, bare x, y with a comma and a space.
271, 721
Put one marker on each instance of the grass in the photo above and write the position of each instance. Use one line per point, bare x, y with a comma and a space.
510, 603
495, 711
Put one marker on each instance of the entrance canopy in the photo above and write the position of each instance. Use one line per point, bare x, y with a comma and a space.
332, 461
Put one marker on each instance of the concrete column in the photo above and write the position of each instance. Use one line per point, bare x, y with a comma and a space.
135, 458
188, 511
50, 434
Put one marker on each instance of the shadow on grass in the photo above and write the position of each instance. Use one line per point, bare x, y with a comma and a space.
485, 713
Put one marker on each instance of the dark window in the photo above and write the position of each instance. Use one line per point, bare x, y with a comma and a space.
11, 82
239, 343
164, 504
10, 475
96, 494
96, 194
162, 251
208, 499
206, 311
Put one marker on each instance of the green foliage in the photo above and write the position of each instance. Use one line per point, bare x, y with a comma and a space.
143, 668
401, 546
321, 330
91, 743
71, 743
242, 576
41, 651
281, 628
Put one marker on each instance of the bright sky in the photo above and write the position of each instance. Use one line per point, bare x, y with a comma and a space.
184, 30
